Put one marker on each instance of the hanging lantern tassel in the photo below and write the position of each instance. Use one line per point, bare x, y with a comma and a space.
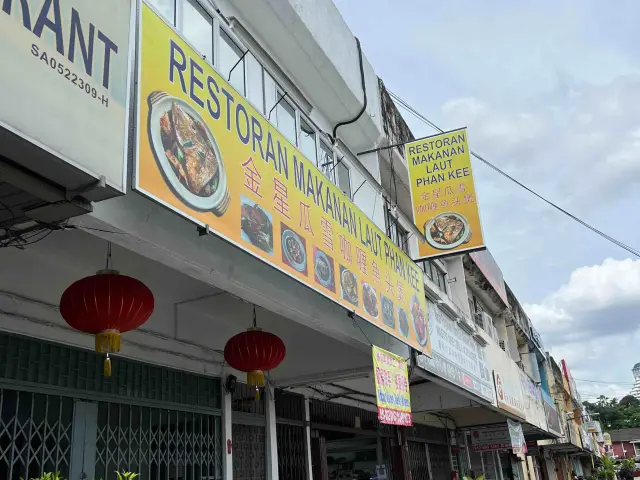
107, 366
255, 378
108, 341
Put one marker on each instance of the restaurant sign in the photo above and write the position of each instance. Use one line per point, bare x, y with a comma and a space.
502, 437
456, 357
65, 80
206, 153
392, 388
509, 393
443, 194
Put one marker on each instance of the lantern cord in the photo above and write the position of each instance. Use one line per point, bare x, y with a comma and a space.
109, 260
255, 324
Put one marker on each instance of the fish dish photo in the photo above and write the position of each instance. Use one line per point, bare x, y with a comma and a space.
187, 154
388, 316
419, 321
369, 300
447, 231
349, 285
293, 249
256, 226
323, 268
403, 322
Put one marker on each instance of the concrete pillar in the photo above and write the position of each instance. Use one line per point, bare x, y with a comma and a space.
227, 427
270, 433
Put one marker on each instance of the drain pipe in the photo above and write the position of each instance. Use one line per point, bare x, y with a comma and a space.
334, 138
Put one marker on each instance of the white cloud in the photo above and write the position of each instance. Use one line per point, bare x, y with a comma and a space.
591, 322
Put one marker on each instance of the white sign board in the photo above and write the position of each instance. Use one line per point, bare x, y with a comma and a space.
508, 390
456, 356
65, 79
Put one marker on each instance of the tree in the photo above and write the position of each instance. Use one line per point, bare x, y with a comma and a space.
629, 401
614, 414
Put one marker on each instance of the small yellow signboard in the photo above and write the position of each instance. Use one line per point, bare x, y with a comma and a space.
443, 194
392, 388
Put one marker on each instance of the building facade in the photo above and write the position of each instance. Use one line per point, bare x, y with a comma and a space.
243, 165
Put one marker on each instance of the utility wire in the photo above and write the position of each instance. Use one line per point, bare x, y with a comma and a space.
421, 117
603, 381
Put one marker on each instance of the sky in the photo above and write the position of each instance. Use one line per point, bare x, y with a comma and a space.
550, 93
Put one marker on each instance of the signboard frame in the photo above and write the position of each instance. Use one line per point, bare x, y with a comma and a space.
74, 84
391, 378
423, 247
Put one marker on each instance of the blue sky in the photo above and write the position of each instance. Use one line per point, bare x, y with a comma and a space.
550, 92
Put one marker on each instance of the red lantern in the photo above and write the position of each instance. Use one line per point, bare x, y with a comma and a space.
105, 305
254, 352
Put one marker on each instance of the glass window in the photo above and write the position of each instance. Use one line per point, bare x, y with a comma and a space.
426, 268
270, 97
440, 278
166, 8
255, 92
307, 141
396, 232
344, 178
230, 63
286, 119
197, 28
326, 162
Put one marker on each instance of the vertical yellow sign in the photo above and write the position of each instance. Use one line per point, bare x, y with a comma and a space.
443, 194
392, 388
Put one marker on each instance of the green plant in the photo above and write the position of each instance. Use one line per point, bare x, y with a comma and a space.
47, 476
127, 475
607, 471
481, 477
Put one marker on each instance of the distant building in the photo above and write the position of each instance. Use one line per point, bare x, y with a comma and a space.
626, 442
635, 391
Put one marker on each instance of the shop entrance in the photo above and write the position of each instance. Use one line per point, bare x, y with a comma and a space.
58, 413
348, 443
343, 455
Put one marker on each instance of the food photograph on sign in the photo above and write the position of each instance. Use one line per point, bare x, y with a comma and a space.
206, 153
445, 205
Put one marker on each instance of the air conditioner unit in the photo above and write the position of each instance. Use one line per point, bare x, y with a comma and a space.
502, 345
467, 326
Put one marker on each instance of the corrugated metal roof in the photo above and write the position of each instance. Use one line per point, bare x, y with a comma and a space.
625, 435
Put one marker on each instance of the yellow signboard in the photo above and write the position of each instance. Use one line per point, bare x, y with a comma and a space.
445, 206
206, 153
392, 388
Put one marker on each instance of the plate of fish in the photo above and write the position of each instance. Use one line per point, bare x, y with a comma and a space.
294, 250
187, 154
447, 230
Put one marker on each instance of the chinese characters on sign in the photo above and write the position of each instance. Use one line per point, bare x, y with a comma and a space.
206, 153
456, 356
443, 194
392, 388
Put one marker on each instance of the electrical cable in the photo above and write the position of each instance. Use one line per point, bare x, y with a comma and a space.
333, 137
421, 117
602, 381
